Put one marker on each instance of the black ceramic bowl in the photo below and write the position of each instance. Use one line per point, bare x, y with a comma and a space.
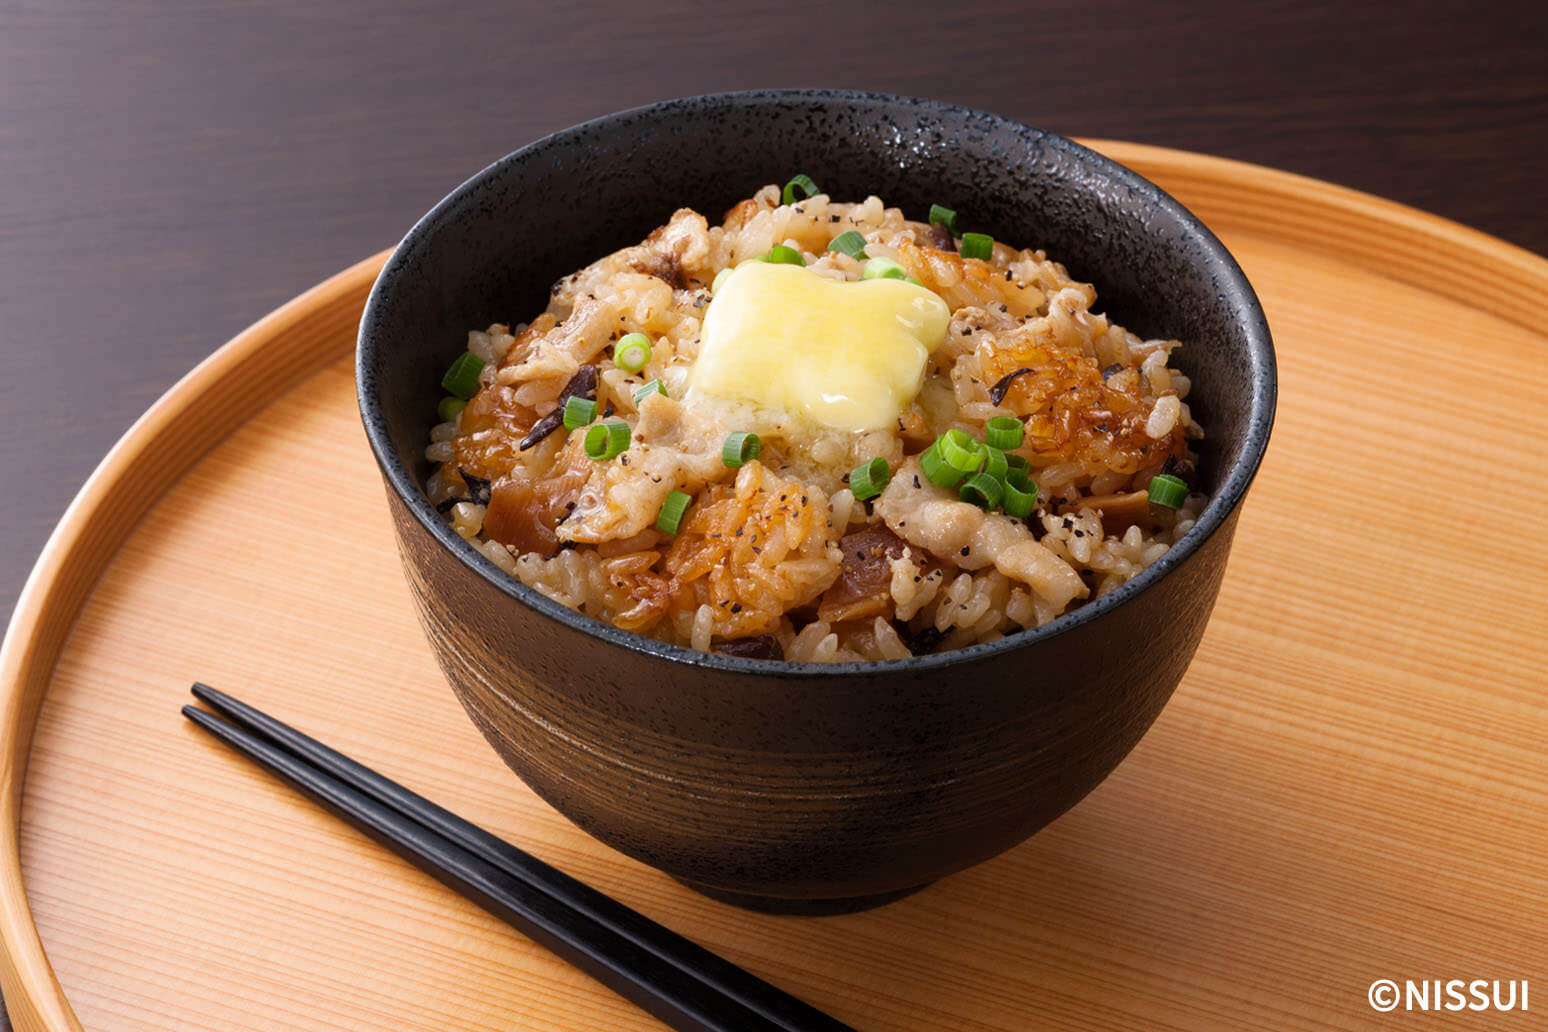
787, 785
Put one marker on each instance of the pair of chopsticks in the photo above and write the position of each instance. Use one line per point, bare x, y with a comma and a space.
679, 982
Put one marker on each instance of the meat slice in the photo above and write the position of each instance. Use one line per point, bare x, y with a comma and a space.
671, 449
961, 533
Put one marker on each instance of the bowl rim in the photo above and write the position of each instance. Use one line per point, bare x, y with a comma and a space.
1260, 418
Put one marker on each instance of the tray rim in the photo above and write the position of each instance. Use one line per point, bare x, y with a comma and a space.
294, 341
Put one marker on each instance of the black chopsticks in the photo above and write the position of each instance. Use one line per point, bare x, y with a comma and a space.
679, 982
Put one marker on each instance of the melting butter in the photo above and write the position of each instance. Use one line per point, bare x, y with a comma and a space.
847, 355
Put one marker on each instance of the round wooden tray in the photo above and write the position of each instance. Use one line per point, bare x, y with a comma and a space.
1349, 785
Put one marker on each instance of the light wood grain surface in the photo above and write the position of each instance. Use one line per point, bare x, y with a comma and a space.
1350, 783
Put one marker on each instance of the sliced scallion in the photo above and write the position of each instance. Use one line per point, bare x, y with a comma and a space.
450, 408
982, 490
632, 352
867, 480
1167, 490
802, 182
1017, 462
977, 245
653, 387
461, 380
578, 412
995, 463
605, 440
1003, 432
779, 254
942, 216
671, 515
960, 450
740, 448
883, 268
1020, 494
849, 242
937, 470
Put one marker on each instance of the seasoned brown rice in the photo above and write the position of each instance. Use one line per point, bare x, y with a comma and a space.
777, 558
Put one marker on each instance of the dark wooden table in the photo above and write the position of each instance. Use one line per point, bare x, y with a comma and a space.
169, 172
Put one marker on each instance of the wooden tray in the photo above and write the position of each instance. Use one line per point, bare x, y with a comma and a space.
1349, 785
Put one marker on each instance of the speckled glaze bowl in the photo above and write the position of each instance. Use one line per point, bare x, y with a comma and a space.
778, 785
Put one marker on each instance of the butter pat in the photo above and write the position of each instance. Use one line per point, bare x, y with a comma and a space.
847, 355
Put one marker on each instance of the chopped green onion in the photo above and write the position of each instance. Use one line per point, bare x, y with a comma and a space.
740, 448
1003, 432
801, 181
1020, 494
937, 470
653, 387
995, 463
578, 412
883, 268
671, 515
940, 216
461, 380
960, 450
1168, 491
849, 242
982, 490
720, 277
977, 245
450, 408
779, 254
605, 440
1018, 462
632, 352
867, 479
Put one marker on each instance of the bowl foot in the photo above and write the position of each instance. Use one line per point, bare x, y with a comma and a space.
802, 907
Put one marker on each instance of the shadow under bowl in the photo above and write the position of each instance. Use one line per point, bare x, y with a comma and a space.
808, 788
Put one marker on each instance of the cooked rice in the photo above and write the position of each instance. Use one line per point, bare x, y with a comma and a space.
777, 558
